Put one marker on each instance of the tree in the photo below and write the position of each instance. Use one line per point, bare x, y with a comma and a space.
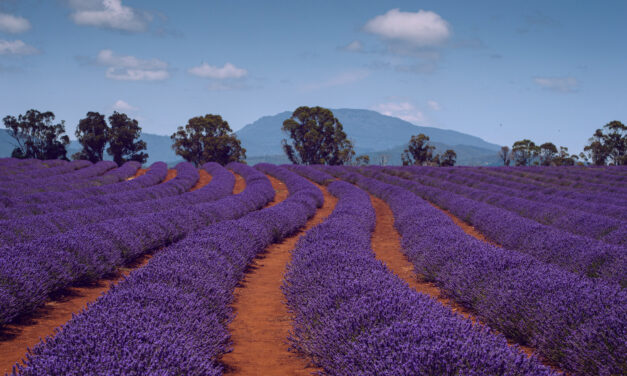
418, 152
362, 160
93, 133
611, 145
563, 158
124, 140
207, 139
448, 159
548, 151
616, 142
525, 152
37, 136
317, 137
505, 155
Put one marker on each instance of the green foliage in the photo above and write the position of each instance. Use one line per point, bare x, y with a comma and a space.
37, 136
448, 159
525, 152
207, 139
362, 160
609, 146
124, 140
418, 152
505, 155
548, 151
317, 137
93, 133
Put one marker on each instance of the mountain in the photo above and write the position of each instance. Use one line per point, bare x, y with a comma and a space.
372, 133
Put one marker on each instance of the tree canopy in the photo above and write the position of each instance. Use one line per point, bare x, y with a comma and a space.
525, 152
418, 152
448, 159
608, 145
505, 155
207, 139
124, 140
93, 134
37, 136
316, 137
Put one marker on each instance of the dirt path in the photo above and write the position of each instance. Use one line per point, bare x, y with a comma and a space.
240, 184
468, 228
205, 178
386, 243
139, 172
169, 176
261, 325
17, 337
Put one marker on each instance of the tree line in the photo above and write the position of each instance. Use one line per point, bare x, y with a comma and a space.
314, 136
607, 146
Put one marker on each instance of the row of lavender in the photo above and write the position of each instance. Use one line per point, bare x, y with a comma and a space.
477, 179
19, 169
159, 197
535, 177
511, 180
578, 254
568, 218
80, 177
170, 317
63, 186
31, 271
354, 317
575, 322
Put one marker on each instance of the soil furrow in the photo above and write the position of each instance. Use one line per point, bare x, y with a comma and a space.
386, 243
262, 322
16, 338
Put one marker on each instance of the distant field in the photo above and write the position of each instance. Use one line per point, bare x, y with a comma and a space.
290, 270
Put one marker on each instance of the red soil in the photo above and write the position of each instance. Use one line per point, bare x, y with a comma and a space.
139, 172
17, 337
170, 175
386, 244
28, 331
260, 329
468, 228
240, 184
204, 179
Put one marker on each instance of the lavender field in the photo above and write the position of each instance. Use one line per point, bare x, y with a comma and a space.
480, 270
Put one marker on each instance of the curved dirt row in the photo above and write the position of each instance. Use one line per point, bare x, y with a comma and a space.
16, 338
139, 173
262, 322
386, 244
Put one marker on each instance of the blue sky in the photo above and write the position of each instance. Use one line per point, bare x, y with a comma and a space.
500, 70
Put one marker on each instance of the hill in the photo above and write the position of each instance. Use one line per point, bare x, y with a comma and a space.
372, 133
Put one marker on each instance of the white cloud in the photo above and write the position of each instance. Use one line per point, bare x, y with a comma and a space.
209, 71
109, 14
121, 105
16, 47
401, 110
421, 29
13, 24
434, 105
354, 46
559, 84
341, 79
130, 68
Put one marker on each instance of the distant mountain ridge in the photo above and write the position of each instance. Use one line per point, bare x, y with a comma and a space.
372, 133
